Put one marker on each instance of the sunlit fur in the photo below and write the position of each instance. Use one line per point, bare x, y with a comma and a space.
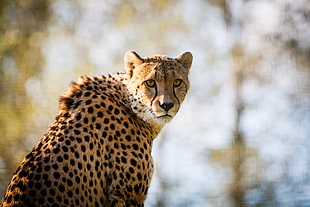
145, 100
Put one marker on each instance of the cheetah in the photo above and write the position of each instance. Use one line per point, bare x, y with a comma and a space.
97, 152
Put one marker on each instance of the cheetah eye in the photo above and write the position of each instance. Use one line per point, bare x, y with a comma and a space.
150, 83
177, 82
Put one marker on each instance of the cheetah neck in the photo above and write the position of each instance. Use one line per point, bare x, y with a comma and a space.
114, 86
136, 106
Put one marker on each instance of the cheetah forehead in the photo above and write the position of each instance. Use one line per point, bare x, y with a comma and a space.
159, 58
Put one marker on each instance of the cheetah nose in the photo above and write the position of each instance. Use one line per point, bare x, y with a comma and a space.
166, 106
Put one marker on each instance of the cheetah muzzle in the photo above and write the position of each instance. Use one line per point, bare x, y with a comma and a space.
98, 150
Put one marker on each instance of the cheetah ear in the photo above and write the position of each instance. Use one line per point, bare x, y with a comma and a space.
132, 60
185, 59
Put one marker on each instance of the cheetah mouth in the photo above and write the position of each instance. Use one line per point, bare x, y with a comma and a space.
165, 116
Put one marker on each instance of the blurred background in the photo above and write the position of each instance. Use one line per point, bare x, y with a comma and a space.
241, 138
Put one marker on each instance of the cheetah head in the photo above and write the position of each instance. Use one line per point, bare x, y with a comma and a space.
157, 85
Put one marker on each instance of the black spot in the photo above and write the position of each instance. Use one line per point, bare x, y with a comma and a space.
68, 142
69, 182
88, 102
91, 146
48, 183
77, 180
56, 175
136, 189
65, 169
135, 146
72, 162
78, 116
133, 162
100, 114
124, 160
61, 188
78, 94
46, 159
90, 110
85, 120
9, 199
145, 146
59, 199
142, 150
132, 132
117, 133
66, 157
78, 125
65, 149
123, 131
59, 159
37, 177
98, 126
77, 132
78, 139
25, 173
32, 193
139, 176
110, 107
128, 176
50, 199
41, 201
56, 150
77, 155
55, 166
43, 193
87, 94
80, 166
128, 138
66, 201
106, 121
116, 111
38, 186
123, 146
131, 170
17, 197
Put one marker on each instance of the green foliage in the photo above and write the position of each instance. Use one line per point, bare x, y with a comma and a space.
22, 30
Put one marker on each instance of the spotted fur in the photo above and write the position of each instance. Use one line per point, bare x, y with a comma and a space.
98, 150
